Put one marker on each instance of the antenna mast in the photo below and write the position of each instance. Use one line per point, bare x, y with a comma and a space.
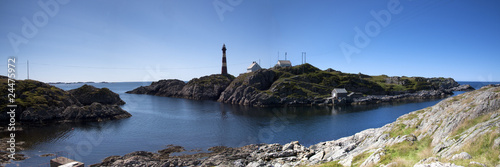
28, 67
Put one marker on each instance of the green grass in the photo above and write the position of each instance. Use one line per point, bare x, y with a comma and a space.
482, 150
359, 159
410, 116
329, 164
401, 130
407, 152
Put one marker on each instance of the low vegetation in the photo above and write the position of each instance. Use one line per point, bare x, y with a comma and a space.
307, 80
407, 152
468, 124
30, 93
329, 164
359, 159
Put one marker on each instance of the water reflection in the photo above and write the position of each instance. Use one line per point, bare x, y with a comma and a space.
55, 133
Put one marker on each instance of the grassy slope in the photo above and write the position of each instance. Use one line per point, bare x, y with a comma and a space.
301, 80
35, 94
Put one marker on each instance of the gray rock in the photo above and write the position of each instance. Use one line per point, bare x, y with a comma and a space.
317, 157
496, 143
374, 158
428, 160
477, 163
437, 164
462, 155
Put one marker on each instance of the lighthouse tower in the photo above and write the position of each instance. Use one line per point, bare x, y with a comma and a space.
224, 64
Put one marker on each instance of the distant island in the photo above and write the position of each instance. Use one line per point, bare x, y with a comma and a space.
303, 85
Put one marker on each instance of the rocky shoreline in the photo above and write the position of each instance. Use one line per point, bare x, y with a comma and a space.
420, 95
460, 130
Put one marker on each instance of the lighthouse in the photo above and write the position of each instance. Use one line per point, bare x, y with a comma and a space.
224, 64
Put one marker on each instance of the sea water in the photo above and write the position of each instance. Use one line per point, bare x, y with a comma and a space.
199, 124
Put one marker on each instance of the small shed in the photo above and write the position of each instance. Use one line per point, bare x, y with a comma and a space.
253, 67
339, 93
284, 63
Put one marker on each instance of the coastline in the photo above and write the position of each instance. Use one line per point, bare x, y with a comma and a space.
368, 147
303, 85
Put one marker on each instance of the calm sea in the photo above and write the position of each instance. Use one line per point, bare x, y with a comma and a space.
198, 125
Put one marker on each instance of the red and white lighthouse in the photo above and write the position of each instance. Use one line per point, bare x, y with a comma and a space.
224, 64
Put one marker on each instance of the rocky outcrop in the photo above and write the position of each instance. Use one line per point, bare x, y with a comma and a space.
167, 88
204, 88
40, 103
461, 130
248, 89
88, 94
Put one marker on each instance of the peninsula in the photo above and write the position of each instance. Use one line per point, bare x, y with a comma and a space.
303, 85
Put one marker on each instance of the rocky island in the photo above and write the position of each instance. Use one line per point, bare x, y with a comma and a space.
462, 130
303, 85
41, 103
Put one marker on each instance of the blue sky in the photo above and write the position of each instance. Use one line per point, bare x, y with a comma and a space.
117, 40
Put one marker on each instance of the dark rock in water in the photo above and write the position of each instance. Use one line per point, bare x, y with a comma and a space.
171, 149
167, 88
466, 87
48, 155
94, 112
204, 88
88, 94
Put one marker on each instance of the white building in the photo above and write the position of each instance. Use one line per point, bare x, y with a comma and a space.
284, 63
253, 67
339, 93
